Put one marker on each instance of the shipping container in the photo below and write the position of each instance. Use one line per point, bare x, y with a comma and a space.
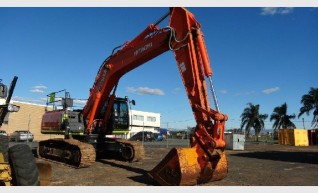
294, 137
312, 136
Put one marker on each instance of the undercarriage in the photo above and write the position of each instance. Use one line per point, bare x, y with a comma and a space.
83, 153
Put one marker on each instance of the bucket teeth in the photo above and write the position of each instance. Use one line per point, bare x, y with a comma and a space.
188, 166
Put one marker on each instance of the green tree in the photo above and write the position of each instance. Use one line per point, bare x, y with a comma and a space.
281, 119
251, 118
310, 103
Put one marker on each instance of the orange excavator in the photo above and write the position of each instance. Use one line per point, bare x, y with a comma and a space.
86, 130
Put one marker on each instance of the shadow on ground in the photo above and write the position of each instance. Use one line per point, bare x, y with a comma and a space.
142, 176
301, 157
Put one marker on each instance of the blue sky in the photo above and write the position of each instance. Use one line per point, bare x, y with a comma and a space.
265, 56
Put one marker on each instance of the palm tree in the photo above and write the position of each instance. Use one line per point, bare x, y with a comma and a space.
251, 118
281, 119
310, 102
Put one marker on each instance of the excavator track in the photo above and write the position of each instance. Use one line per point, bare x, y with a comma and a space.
133, 151
69, 152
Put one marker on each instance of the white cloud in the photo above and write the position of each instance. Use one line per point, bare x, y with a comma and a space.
244, 93
223, 91
79, 102
271, 90
145, 90
38, 89
276, 10
176, 90
40, 101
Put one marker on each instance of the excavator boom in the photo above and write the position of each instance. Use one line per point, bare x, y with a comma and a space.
128, 58
205, 160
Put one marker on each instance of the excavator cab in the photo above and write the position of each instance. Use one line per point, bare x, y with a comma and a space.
120, 117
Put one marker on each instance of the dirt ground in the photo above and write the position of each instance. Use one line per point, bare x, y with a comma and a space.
258, 165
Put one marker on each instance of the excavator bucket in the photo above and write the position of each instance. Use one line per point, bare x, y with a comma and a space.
189, 166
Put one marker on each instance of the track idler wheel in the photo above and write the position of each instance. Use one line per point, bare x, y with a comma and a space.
128, 153
189, 166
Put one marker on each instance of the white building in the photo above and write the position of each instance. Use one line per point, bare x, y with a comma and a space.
144, 121
141, 121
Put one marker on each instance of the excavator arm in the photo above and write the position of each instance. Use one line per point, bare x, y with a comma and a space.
205, 160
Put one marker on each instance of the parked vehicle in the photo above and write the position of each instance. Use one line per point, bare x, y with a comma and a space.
147, 135
21, 135
4, 133
158, 137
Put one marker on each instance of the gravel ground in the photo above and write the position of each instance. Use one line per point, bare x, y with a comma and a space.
257, 165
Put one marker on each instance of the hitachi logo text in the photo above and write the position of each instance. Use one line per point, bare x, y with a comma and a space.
142, 49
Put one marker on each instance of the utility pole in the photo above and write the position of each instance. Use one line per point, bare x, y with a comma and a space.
167, 135
304, 123
143, 133
28, 135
